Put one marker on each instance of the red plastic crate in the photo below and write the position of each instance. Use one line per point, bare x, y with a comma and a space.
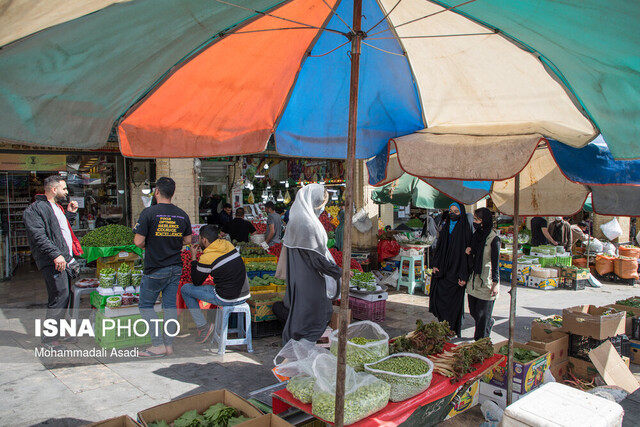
368, 310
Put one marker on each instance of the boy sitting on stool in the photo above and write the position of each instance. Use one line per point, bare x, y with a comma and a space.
223, 262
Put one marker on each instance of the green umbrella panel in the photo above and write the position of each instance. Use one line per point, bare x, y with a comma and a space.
409, 189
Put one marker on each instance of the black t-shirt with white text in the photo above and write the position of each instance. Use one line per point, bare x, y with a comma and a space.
164, 225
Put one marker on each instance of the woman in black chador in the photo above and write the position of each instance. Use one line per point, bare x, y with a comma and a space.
450, 269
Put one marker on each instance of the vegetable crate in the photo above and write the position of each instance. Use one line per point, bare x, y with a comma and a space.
114, 262
255, 290
267, 258
579, 345
261, 306
573, 284
269, 328
259, 273
121, 338
97, 300
368, 310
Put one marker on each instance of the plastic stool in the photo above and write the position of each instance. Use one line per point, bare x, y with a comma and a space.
77, 293
222, 327
410, 280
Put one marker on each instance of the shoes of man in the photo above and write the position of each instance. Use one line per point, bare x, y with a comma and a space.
53, 346
68, 340
204, 333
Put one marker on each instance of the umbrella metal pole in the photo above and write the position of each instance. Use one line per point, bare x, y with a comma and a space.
356, 41
514, 284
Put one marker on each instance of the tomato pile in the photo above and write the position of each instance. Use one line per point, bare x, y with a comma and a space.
186, 268
261, 228
276, 249
326, 222
337, 256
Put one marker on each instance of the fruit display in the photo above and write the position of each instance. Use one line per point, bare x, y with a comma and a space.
107, 277
109, 235
261, 266
326, 222
337, 256
136, 278
250, 249
113, 302
366, 281
332, 210
426, 339
265, 280
261, 227
407, 374
275, 250
124, 275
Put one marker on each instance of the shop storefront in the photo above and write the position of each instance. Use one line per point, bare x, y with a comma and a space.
101, 181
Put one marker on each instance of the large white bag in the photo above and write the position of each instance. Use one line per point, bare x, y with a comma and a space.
611, 229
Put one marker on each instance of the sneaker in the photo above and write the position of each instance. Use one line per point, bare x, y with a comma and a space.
204, 333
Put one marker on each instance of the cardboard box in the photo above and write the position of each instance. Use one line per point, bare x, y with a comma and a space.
581, 368
117, 259
122, 421
267, 420
560, 370
587, 320
496, 394
261, 305
628, 323
526, 376
611, 367
557, 348
545, 284
544, 331
575, 273
468, 400
635, 352
171, 410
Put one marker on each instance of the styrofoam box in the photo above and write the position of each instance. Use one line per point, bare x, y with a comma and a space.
370, 297
555, 404
497, 395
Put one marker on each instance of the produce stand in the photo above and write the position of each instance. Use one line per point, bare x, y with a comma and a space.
427, 408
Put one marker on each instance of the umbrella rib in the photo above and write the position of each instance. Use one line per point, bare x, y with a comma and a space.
382, 50
384, 17
339, 17
279, 17
433, 36
427, 16
332, 50
273, 29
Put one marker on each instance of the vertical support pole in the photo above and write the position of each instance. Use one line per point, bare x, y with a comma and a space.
356, 41
589, 236
514, 284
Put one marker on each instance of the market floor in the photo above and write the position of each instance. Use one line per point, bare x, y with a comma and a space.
63, 392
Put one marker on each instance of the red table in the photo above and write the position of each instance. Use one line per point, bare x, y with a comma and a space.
396, 412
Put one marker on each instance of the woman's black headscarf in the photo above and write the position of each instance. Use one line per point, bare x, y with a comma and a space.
450, 257
480, 237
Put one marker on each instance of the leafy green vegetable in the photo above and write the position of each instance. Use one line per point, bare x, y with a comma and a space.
520, 354
109, 235
219, 414
189, 419
161, 423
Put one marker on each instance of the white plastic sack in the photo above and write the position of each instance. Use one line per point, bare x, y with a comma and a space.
358, 355
361, 221
296, 358
403, 386
595, 246
609, 249
364, 393
611, 229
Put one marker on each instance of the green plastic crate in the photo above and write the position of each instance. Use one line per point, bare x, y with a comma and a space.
119, 339
97, 300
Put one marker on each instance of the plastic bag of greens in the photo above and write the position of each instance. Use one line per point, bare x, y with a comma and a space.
301, 387
366, 342
408, 374
296, 358
364, 393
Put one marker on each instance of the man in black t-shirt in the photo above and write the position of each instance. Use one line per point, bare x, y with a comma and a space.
239, 229
162, 230
538, 238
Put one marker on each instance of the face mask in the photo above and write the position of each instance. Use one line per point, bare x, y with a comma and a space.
454, 217
477, 226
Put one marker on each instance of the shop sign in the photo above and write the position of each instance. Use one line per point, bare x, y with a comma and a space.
33, 162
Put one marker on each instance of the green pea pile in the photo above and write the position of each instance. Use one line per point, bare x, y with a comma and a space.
302, 388
107, 277
361, 350
136, 278
407, 375
109, 235
124, 275
362, 280
366, 400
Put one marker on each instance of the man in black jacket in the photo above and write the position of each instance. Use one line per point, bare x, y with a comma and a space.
52, 244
